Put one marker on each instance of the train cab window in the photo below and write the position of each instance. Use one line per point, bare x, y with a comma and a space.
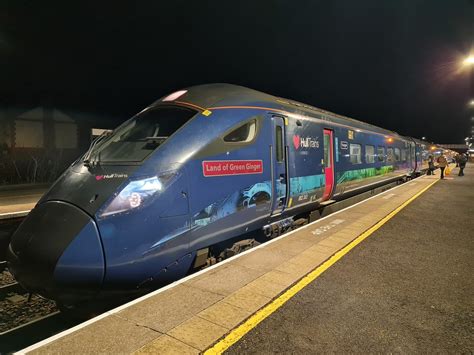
390, 156
279, 144
355, 153
397, 154
369, 154
138, 137
380, 153
242, 134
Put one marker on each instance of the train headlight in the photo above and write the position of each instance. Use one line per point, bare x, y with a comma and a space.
138, 193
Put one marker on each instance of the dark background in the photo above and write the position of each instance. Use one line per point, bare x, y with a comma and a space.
393, 63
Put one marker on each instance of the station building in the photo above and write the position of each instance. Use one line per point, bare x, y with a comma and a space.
37, 144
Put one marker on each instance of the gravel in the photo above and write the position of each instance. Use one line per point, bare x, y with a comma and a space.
6, 278
15, 309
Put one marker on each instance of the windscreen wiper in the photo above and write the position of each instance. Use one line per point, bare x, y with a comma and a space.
87, 156
154, 141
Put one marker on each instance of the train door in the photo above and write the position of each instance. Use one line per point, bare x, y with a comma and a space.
279, 166
328, 163
412, 157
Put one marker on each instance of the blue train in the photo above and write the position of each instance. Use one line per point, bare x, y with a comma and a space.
173, 188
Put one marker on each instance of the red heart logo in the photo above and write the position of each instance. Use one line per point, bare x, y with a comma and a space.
296, 141
99, 177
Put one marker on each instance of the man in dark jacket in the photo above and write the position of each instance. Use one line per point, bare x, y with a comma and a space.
431, 166
462, 160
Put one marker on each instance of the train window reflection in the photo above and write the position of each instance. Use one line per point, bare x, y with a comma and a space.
380, 153
390, 156
397, 154
369, 154
279, 144
404, 154
244, 133
355, 153
327, 142
138, 137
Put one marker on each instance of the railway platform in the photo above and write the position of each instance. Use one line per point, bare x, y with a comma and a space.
17, 201
390, 274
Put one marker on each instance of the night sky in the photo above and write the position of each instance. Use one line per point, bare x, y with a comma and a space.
392, 63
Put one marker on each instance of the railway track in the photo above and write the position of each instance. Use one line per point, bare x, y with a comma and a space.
24, 318
13, 287
22, 336
8, 224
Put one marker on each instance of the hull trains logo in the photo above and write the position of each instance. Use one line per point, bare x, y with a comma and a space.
110, 176
306, 142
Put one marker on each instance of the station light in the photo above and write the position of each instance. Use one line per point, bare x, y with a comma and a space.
432, 147
390, 139
469, 60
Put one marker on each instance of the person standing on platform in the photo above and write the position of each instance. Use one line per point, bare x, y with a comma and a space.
431, 166
462, 160
442, 163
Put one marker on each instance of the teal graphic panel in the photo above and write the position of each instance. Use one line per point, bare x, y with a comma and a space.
363, 173
301, 184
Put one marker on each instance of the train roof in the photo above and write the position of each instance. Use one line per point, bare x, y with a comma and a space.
211, 96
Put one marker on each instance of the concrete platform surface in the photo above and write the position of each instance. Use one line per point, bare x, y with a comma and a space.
408, 288
192, 314
18, 201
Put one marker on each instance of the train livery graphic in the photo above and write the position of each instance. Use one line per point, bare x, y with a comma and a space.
173, 186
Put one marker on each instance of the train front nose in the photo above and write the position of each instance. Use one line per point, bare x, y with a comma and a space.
57, 252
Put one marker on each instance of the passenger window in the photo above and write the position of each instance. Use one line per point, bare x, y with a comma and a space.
369, 154
243, 134
390, 155
279, 144
397, 154
381, 153
404, 154
327, 142
355, 153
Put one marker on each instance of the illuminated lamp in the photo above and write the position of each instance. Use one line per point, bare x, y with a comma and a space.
469, 60
175, 95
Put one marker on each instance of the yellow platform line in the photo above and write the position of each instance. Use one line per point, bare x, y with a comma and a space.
266, 311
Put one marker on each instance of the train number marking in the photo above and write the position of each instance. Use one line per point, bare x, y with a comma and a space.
327, 227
